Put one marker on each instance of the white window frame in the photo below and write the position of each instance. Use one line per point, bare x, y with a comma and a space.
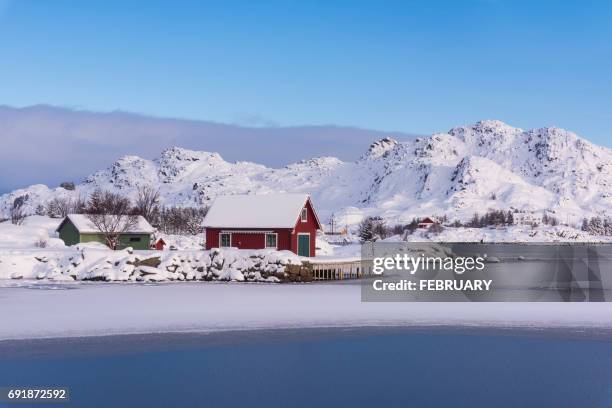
221, 241
266, 240
304, 214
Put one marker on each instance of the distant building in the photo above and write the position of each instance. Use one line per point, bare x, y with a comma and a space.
77, 228
527, 219
427, 222
159, 244
279, 221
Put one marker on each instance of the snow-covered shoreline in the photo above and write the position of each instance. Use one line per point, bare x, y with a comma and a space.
115, 309
83, 263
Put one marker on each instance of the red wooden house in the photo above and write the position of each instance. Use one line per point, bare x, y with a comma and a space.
279, 221
427, 222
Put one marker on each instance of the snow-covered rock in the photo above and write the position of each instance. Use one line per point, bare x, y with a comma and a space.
94, 264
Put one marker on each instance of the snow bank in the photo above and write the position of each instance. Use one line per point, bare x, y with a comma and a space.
35, 231
89, 263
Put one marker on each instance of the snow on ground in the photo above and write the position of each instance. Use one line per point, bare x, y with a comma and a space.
516, 233
342, 251
34, 230
181, 242
350, 247
83, 309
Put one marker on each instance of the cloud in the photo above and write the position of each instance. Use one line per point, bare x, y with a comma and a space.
254, 120
46, 144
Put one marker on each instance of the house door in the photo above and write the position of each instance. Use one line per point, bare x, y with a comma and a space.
304, 245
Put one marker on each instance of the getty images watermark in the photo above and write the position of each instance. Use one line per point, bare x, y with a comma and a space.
460, 272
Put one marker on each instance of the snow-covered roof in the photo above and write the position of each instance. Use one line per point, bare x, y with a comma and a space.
84, 225
256, 211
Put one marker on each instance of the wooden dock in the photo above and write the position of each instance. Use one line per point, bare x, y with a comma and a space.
325, 270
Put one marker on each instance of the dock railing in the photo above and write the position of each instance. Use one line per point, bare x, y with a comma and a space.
338, 269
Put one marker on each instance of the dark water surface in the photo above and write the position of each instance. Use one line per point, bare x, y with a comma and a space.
318, 368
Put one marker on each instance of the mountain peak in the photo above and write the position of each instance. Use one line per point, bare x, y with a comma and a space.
486, 127
380, 148
181, 153
492, 124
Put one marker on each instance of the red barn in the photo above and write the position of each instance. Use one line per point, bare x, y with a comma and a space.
280, 221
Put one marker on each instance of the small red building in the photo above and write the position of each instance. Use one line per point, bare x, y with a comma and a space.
427, 222
279, 221
159, 244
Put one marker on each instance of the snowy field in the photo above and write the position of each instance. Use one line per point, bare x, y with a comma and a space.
44, 309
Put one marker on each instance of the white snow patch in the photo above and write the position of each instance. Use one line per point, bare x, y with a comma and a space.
102, 309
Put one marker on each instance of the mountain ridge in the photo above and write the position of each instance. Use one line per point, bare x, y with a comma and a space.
472, 168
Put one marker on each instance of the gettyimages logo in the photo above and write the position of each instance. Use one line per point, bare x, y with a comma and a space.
414, 263
460, 272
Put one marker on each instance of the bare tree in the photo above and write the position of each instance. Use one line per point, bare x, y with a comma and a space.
111, 214
17, 212
194, 218
147, 202
79, 205
60, 207
176, 220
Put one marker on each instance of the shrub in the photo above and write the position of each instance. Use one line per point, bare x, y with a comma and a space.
436, 228
17, 213
41, 243
67, 185
597, 226
549, 220
372, 229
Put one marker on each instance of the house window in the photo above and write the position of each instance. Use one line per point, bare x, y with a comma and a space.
225, 240
304, 214
271, 241
134, 239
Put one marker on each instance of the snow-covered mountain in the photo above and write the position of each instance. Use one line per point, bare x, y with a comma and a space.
488, 165
36, 138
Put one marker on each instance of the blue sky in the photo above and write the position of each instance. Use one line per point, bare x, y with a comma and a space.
413, 66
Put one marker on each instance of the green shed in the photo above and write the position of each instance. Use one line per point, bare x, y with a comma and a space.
77, 228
